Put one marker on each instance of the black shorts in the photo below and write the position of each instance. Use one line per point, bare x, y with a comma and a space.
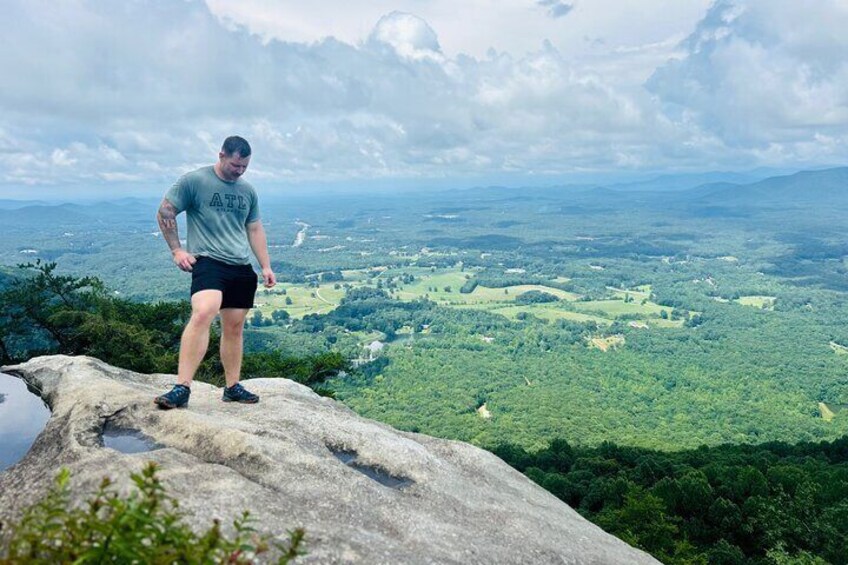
237, 282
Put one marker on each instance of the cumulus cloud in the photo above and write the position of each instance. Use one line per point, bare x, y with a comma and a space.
146, 90
764, 75
472, 26
162, 82
408, 35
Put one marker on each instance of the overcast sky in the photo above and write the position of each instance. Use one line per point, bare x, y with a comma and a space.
122, 97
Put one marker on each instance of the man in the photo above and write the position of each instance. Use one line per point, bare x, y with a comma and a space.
222, 216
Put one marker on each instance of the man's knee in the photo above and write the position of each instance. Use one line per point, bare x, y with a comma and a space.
205, 305
232, 327
203, 316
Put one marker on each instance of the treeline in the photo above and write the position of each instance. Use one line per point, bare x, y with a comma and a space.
43, 313
773, 503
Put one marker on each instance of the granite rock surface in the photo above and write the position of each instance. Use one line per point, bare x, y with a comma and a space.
364, 492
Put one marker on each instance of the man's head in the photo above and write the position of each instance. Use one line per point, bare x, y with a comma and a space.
233, 158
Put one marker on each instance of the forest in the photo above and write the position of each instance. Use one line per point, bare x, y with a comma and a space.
731, 504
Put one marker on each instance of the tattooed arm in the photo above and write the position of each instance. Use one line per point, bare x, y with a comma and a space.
167, 218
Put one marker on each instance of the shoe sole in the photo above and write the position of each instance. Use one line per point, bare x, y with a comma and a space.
165, 405
241, 401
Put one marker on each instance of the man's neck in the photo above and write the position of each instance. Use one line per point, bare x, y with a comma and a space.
217, 168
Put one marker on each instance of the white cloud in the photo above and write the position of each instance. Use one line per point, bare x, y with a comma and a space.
99, 91
472, 26
760, 73
408, 35
60, 158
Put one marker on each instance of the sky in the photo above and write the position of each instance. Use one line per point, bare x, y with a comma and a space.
120, 98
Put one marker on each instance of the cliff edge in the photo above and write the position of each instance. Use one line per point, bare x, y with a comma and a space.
364, 492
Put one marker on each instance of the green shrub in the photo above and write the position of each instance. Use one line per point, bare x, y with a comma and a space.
535, 297
469, 286
143, 527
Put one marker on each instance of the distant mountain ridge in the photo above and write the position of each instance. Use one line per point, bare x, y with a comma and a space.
718, 188
55, 214
11, 204
683, 182
803, 186
72, 215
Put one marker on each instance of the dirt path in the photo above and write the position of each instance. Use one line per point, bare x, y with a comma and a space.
301, 235
322, 299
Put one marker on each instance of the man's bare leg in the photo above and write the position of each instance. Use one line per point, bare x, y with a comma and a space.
232, 342
205, 305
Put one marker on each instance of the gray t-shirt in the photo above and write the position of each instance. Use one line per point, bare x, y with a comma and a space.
217, 214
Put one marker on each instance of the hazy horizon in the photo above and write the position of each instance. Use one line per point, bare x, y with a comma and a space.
277, 190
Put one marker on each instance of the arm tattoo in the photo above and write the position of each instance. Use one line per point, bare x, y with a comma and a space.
167, 217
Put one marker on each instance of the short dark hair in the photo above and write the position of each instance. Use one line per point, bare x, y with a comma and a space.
235, 144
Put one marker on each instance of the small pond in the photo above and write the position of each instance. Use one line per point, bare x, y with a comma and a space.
22, 417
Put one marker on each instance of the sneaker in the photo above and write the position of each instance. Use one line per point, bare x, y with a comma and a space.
238, 393
176, 398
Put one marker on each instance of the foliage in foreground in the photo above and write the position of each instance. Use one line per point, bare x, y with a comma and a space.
769, 504
43, 313
143, 527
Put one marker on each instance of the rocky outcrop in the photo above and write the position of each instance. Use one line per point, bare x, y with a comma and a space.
364, 492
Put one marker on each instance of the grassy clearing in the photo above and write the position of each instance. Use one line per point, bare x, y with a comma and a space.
607, 343
615, 308
305, 300
660, 323
431, 284
355, 276
544, 311
826, 413
638, 294
838, 349
486, 295
425, 283
757, 301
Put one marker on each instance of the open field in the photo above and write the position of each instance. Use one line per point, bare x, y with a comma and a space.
437, 281
838, 349
607, 343
305, 299
826, 413
431, 283
766, 302
547, 311
614, 308
485, 295
638, 294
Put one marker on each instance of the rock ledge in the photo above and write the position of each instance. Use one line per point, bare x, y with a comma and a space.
297, 459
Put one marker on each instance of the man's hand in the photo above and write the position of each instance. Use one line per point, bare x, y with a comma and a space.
268, 277
184, 260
